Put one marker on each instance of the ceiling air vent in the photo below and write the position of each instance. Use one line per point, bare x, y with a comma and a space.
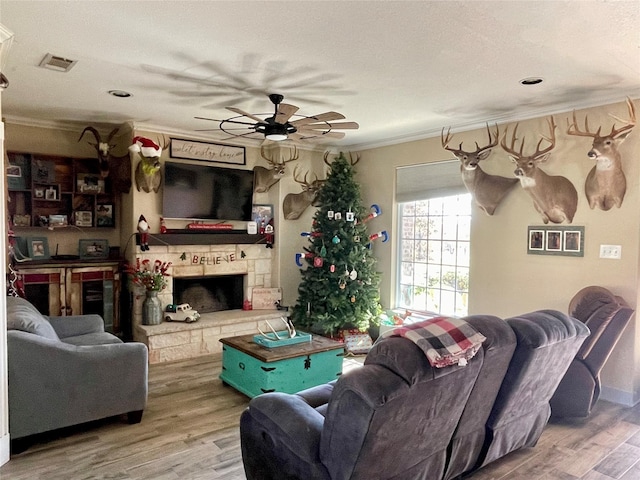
59, 64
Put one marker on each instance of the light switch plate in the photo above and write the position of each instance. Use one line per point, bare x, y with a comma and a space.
611, 251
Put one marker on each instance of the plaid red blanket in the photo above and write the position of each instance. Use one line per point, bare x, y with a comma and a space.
445, 341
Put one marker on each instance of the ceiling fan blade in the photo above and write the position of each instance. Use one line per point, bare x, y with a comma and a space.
225, 121
285, 111
312, 136
246, 114
330, 126
323, 117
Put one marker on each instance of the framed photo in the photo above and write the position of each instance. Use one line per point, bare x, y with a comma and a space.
38, 248
58, 221
89, 183
207, 152
43, 171
93, 249
104, 215
52, 193
536, 240
261, 214
554, 240
21, 220
83, 218
561, 240
18, 171
38, 192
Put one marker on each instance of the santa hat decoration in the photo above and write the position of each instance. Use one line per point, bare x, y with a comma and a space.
146, 147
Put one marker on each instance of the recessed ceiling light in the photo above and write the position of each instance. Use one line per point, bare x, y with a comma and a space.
120, 93
531, 81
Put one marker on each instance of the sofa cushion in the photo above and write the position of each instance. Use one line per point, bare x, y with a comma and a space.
97, 338
23, 316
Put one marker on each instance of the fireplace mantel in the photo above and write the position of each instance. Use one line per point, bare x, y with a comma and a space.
230, 237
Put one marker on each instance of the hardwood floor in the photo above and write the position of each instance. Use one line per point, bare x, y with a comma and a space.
189, 431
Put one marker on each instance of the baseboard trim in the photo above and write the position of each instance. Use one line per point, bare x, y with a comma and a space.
620, 397
5, 449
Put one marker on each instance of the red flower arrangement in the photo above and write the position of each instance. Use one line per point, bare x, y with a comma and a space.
151, 277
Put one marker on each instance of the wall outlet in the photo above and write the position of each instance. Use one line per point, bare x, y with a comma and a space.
611, 251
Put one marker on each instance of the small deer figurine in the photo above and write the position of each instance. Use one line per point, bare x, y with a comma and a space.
265, 178
295, 203
554, 197
487, 190
147, 172
606, 183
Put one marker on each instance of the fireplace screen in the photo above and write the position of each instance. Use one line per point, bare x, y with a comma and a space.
210, 294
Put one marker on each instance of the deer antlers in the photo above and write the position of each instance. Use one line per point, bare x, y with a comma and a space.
539, 153
573, 129
458, 152
294, 156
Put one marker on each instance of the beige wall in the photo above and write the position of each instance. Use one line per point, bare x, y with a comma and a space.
504, 280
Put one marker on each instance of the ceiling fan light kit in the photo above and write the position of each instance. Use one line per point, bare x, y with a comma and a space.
282, 125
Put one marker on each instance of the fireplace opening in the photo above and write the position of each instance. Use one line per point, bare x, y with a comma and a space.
209, 294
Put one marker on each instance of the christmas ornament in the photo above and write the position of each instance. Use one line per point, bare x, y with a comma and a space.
350, 216
330, 214
318, 262
353, 299
332, 268
336, 240
353, 274
300, 256
337, 216
323, 250
375, 211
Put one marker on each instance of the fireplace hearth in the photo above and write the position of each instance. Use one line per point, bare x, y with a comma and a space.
210, 294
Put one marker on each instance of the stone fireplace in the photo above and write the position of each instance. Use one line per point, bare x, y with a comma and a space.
227, 273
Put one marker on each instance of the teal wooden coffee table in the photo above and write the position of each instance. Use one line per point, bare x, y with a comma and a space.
254, 369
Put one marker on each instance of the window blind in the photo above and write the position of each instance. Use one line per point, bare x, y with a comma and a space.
429, 180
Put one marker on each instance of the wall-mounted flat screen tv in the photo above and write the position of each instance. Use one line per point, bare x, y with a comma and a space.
203, 192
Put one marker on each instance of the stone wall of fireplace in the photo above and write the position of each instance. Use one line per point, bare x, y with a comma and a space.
254, 262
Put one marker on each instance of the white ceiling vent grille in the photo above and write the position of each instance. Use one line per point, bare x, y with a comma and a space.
59, 64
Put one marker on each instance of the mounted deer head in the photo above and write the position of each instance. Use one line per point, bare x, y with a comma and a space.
554, 197
265, 178
147, 172
295, 203
487, 190
606, 183
102, 148
118, 169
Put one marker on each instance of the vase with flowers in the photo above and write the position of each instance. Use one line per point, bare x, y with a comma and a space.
153, 278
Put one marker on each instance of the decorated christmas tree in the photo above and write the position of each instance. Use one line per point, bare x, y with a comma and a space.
339, 287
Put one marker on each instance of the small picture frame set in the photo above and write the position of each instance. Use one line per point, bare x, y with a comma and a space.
555, 240
93, 249
38, 248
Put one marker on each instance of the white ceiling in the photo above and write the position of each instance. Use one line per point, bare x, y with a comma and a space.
401, 69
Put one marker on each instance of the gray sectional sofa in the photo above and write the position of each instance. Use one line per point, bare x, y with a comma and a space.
65, 371
397, 417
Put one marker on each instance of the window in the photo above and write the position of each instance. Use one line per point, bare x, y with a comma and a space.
434, 255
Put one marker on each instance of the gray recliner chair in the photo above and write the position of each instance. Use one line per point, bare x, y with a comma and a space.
607, 315
65, 371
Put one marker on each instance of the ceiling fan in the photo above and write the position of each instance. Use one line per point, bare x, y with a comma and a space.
284, 124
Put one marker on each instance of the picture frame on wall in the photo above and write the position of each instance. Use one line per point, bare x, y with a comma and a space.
93, 249
561, 240
261, 214
38, 248
104, 215
83, 218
